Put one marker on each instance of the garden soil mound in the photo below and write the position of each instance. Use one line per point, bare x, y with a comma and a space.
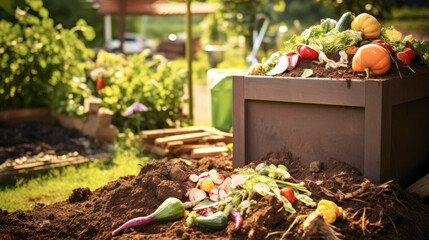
375, 211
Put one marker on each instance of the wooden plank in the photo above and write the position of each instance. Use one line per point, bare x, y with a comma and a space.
302, 90
208, 152
39, 166
373, 130
188, 148
174, 144
238, 121
214, 139
151, 134
156, 150
214, 131
421, 187
190, 137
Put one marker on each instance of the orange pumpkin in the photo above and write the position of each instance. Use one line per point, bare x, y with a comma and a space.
371, 58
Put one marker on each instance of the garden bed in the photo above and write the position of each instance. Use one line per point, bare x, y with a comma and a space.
380, 211
26, 147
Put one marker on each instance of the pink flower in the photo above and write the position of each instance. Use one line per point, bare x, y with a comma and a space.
135, 107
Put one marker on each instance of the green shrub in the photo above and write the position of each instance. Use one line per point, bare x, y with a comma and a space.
152, 82
39, 61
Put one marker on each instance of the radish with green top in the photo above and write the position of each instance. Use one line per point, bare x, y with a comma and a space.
170, 210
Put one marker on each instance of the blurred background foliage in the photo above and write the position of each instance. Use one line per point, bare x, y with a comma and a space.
230, 27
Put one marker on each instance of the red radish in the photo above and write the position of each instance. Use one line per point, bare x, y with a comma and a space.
222, 194
193, 178
214, 196
224, 176
203, 175
226, 185
409, 52
171, 209
215, 177
196, 194
237, 180
236, 217
281, 66
294, 61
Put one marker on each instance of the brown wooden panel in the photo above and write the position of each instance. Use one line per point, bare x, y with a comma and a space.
301, 90
238, 121
373, 131
410, 89
410, 142
310, 132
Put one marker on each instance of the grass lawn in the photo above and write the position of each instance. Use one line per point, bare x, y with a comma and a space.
58, 184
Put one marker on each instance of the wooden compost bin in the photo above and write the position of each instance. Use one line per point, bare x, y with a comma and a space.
379, 126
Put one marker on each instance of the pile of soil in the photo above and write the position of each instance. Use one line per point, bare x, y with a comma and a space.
320, 71
375, 211
30, 139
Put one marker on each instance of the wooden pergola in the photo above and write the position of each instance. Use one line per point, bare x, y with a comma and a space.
154, 7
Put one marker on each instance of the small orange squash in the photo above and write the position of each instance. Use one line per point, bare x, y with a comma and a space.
368, 25
372, 58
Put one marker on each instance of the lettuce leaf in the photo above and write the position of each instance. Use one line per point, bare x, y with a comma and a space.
252, 180
325, 37
335, 41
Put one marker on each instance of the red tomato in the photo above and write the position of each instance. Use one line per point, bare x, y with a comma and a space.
288, 193
308, 52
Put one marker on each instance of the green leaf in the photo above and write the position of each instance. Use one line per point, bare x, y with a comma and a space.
307, 73
43, 12
35, 5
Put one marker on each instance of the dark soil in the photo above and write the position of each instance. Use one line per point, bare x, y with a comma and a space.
380, 211
29, 139
320, 71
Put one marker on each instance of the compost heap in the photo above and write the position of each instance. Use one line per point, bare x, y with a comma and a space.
354, 47
374, 210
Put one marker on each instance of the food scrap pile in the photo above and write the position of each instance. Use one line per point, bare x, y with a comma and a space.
274, 197
374, 50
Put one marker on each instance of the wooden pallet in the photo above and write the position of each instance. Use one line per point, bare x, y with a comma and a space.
57, 161
190, 142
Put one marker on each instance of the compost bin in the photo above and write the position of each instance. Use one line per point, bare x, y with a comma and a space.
378, 125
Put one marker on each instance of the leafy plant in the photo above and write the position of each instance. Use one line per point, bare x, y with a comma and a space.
39, 61
151, 82
239, 16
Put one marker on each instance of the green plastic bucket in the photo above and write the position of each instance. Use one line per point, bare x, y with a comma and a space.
220, 84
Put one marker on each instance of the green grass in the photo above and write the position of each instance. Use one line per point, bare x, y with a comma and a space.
58, 184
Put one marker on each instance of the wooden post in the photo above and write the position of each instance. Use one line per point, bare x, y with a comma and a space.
189, 57
121, 24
